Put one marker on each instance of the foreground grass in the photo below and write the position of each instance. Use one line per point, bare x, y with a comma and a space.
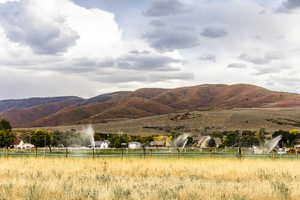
133, 178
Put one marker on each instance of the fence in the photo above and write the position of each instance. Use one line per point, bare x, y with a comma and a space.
141, 152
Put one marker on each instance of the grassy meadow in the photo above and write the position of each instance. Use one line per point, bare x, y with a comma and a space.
151, 178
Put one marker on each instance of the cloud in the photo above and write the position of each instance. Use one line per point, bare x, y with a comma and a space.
23, 24
157, 23
169, 40
171, 76
5, 1
213, 32
237, 66
272, 69
80, 65
23, 84
137, 52
289, 5
267, 70
209, 58
254, 59
148, 62
261, 60
61, 39
161, 8
136, 61
153, 77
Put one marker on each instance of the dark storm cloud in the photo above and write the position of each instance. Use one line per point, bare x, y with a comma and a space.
169, 40
161, 8
213, 32
44, 37
237, 65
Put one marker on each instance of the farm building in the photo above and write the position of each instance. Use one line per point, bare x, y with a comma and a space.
102, 144
157, 144
23, 145
161, 141
297, 144
134, 145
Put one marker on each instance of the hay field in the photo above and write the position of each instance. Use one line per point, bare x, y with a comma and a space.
153, 178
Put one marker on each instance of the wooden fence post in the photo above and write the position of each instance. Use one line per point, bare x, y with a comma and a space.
66, 152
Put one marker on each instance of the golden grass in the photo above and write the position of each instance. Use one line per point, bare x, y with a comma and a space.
133, 178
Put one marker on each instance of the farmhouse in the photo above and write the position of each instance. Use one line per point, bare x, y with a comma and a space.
23, 145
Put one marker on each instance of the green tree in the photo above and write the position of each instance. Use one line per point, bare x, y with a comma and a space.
261, 135
211, 143
117, 140
249, 141
5, 125
7, 138
231, 138
287, 138
41, 138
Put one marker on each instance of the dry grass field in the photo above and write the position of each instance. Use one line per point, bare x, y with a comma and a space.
271, 119
133, 178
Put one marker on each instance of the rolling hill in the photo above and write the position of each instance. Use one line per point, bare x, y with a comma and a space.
141, 103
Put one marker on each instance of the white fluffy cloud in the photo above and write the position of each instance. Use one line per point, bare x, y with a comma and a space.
48, 40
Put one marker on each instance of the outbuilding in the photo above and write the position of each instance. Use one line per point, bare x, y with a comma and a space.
134, 145
102, 144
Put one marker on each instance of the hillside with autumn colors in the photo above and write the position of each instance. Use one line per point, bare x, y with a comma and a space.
38, 112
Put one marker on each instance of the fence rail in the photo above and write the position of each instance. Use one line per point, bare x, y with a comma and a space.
142, 152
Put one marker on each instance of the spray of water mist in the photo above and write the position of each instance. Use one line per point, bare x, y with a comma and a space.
87, 135
268, 146
181, 140
90, 132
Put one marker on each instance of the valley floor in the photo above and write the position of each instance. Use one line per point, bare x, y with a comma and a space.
153, 178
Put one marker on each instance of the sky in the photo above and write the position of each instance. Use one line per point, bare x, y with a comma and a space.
90, 47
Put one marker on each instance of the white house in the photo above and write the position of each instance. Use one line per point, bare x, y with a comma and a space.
102, 144
134, 145
23, 145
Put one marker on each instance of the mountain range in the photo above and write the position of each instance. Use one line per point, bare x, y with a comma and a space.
71, 110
